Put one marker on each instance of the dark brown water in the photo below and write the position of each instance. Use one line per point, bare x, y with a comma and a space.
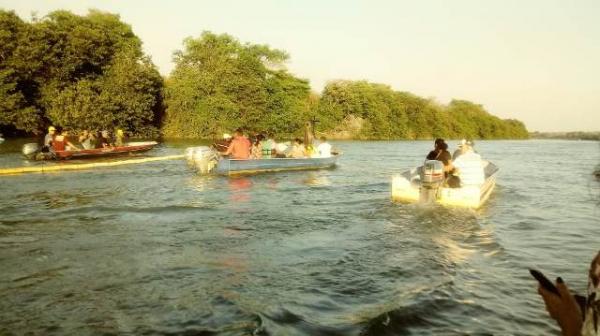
156, 249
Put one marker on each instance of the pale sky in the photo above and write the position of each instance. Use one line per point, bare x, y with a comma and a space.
537, 60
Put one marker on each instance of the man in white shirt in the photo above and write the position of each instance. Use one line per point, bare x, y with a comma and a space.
470, 166
324, 148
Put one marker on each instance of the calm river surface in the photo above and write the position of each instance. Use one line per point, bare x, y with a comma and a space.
156, 249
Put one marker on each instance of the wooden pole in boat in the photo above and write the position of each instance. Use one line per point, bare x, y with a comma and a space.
81, 166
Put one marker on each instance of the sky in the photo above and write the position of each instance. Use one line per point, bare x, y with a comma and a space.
537, 61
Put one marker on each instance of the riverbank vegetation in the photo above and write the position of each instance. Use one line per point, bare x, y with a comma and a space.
89, 72
566, 135
77, 72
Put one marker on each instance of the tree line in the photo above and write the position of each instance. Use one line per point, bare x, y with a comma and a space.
89, 72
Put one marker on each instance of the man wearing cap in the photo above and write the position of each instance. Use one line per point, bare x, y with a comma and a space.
222, 144
50, 136
469, 165
462, 148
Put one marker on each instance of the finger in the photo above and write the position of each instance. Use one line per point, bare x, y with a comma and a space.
563, 290
552, 301
549, 296
566, 295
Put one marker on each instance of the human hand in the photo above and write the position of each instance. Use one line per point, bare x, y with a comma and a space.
564, 309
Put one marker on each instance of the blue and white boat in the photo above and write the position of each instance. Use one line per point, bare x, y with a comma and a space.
206, 160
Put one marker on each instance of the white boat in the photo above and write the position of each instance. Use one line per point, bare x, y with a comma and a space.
416, 185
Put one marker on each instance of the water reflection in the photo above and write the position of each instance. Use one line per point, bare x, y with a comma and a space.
240, 187
316, 179
203, 182
294, 253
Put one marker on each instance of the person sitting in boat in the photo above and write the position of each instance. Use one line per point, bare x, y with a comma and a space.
268, 147
222, 144
440, 153
239, 148
49, 138
87, 140
120, 138
298, 150
460, 150
469, 166
464, 146
61, 142
281, 150
324, 148
103, 140
435, 152
256, 150
69, 145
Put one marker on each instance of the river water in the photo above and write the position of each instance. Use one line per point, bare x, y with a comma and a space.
156, 249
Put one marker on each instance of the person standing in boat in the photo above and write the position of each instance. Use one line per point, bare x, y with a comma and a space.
239, 147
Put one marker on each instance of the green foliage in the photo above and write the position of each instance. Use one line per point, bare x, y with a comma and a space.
89, 72
388, 114
565, 136
82, 72
219, 84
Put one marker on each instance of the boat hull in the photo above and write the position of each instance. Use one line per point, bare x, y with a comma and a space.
406, 189
233, 167
131, 147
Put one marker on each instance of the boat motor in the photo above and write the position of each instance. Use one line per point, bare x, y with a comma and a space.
202, 158
432, 178
30, 150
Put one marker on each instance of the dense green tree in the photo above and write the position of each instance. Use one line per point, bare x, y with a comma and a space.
76, 71
219, 84
387, 114
90, 72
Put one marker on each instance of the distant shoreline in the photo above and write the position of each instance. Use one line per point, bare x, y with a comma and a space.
565, 135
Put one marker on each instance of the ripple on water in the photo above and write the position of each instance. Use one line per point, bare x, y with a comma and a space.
156, 249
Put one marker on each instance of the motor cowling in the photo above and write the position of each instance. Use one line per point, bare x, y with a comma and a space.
432, 177
30, 150
432, 174
203, 158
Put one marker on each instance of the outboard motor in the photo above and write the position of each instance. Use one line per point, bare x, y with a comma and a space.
202, 158
432, 178
30, 150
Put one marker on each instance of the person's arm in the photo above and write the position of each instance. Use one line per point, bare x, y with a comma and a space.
229, 149
72, 145
449, 167
564, 309
259, 151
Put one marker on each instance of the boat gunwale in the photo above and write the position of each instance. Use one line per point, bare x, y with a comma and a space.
307, 164
98, 152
